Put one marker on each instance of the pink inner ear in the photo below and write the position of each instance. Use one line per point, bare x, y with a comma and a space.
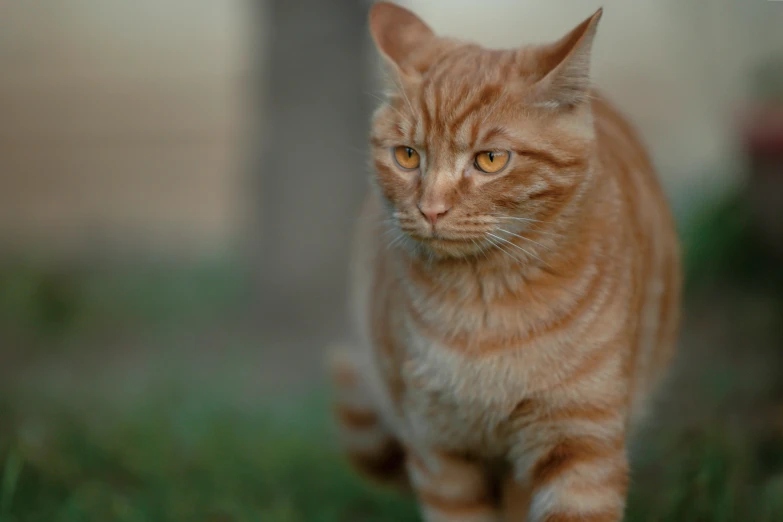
568, 44
566, 65
398, 33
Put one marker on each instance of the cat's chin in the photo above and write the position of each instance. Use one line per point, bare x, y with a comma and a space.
449, 248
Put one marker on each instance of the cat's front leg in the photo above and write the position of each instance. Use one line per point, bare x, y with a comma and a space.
577, 478
450, 488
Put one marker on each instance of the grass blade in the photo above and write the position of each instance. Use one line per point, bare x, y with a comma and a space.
11, 472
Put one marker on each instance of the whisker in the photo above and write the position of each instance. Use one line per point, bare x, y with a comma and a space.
392, 123
525, 238
506, 252
531, 220
389, 231
531, 254
536, 230
395, 109
511, 243
380, 99
397, 241
481, 249
374, 219
402, 90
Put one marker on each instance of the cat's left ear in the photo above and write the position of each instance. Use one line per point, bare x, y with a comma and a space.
400, 36
565, 66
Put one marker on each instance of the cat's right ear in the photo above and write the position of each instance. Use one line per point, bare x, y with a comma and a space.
565, 66
398, 35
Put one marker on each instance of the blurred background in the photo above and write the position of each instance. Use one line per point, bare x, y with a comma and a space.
178, 185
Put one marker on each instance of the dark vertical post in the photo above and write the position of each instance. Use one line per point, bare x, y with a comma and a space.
312, 162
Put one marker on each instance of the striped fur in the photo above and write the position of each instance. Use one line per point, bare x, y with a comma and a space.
505, 351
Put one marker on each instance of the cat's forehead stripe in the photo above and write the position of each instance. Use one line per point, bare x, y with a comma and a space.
449, 101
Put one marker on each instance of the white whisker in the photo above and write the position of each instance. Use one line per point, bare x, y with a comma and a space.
402, 90
395, 109
389, 231
531, 254
393, 123
397, 241
506, 252
480, 248
531, 220
525, 238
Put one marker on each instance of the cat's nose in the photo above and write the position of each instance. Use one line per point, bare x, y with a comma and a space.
433, 211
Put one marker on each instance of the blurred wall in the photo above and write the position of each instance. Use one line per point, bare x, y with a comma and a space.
121, 124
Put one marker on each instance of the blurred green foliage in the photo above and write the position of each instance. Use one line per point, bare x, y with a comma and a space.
41, 300
720, 247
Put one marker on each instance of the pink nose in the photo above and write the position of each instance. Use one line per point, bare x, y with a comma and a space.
433, 212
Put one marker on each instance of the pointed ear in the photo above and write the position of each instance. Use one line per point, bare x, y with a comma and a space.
398, 34
565, 66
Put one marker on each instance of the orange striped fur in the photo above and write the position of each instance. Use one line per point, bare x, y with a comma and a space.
511, 326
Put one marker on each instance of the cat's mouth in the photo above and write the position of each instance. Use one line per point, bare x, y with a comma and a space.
440, 237
437, 236
448, 245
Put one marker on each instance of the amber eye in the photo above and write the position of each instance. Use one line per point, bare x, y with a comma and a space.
406, 157
492, 161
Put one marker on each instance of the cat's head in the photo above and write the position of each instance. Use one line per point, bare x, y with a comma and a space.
474, 147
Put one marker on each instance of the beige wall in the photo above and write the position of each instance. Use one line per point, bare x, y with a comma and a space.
121, 123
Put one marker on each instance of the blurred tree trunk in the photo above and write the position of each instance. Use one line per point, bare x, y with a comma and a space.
312, 160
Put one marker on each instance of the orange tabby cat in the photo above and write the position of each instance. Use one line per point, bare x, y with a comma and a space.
517, 283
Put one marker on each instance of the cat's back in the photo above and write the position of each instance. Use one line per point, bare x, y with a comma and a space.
624, 155
650, 238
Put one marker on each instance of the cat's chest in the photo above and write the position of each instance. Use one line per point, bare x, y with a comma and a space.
457, 402
466, 365
443, 423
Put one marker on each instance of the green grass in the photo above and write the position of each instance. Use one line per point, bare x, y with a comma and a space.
47, 302
719, 245
185, 461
